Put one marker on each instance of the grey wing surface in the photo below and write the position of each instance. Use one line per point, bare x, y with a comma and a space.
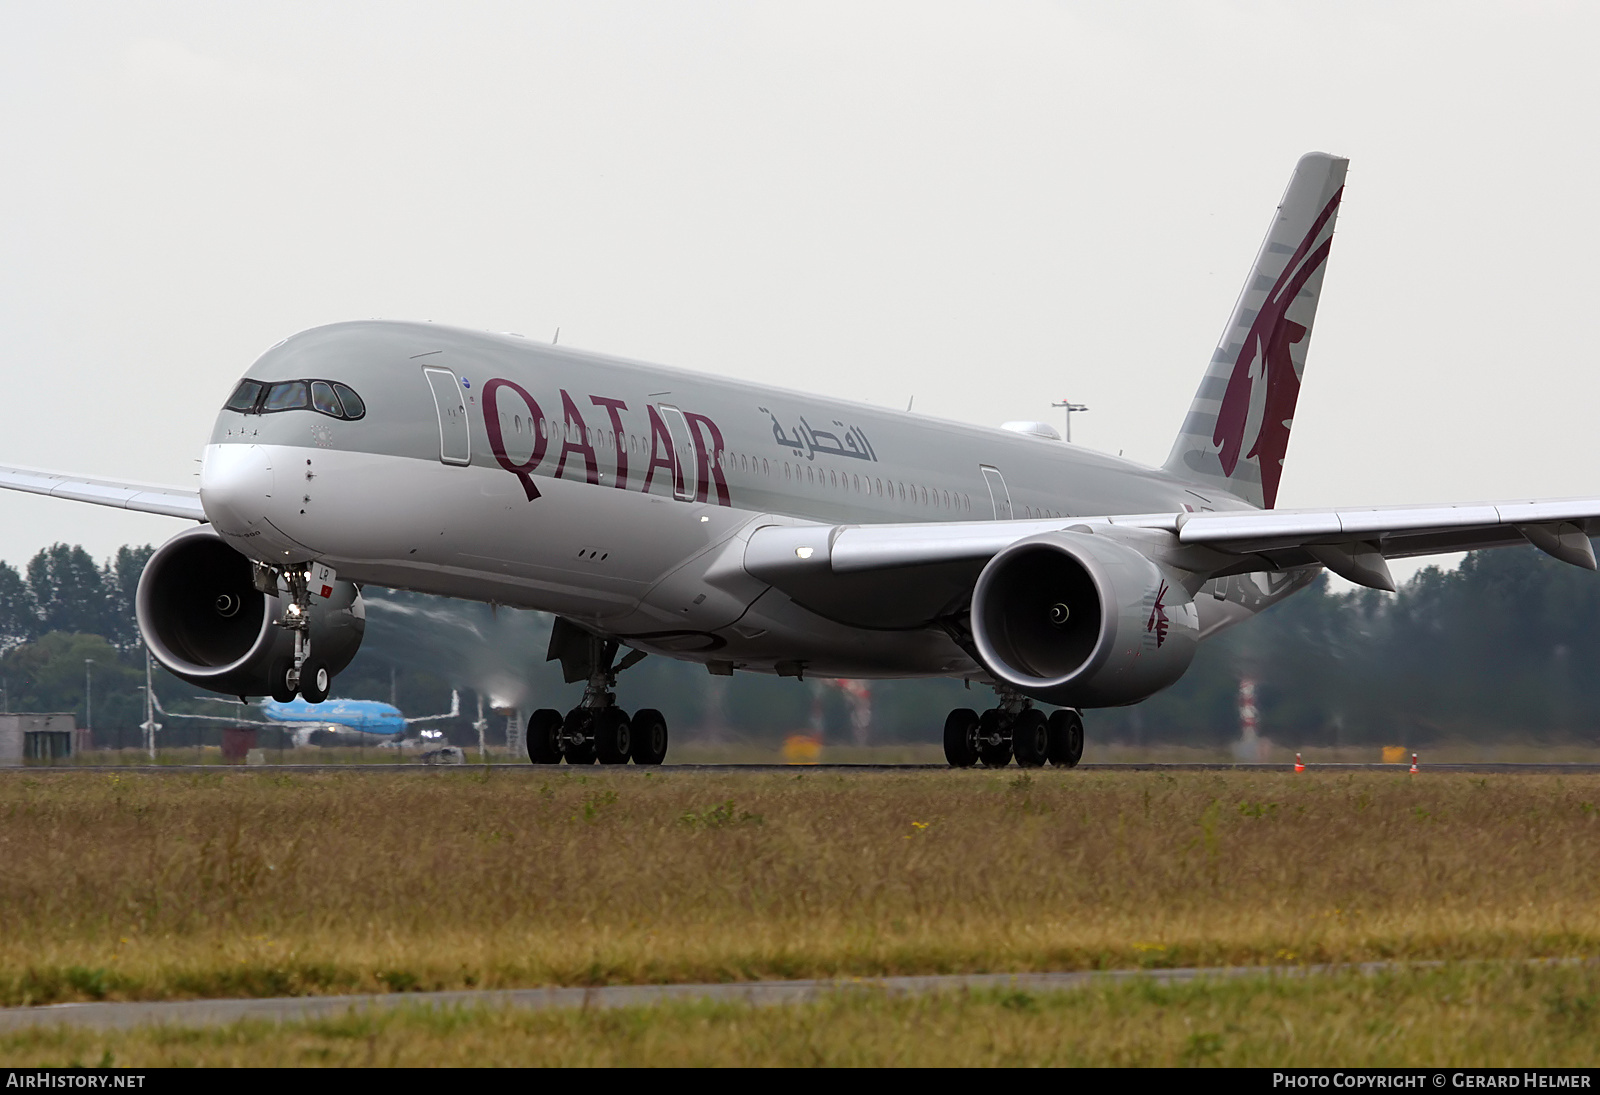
120, 493
901, 575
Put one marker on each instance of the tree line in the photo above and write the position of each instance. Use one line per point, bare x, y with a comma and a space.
1506, 645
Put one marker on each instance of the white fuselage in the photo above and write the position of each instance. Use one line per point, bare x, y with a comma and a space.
621, 495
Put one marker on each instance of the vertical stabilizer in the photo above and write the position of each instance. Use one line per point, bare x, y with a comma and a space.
1237, 429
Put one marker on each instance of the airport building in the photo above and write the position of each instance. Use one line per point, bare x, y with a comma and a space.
47, 737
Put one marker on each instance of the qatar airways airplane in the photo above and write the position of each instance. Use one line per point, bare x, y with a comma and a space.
757, 529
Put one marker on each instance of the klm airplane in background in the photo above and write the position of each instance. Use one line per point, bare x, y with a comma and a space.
753, 529
347, 719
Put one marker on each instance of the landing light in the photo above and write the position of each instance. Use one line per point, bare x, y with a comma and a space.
804, 552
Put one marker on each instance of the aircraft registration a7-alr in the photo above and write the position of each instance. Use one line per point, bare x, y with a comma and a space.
752, 528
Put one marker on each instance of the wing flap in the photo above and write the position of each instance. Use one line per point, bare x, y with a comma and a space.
142, 497
1396, 532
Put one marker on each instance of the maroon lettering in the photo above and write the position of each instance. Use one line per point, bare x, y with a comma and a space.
708, 458
497, 445
661, 453
576, 440
614, 408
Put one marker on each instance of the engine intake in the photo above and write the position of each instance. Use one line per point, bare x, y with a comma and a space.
1081, 620
202, 617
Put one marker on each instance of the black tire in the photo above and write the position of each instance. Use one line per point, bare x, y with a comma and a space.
315, 680
961, 737
544, 736
1066, 738
1030, 739
578, 730
993, 754
278, 680
612, 735
649, 744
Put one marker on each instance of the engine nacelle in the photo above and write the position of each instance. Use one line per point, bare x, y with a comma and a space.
202, 617
1081, 620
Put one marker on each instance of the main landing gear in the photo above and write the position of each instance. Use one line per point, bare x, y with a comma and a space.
1014, 728
597, 729
301, 674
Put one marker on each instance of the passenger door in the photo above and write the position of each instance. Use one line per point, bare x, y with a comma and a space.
997, 492
683, 479
455, 436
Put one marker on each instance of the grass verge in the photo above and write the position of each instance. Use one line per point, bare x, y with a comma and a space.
1477, 1016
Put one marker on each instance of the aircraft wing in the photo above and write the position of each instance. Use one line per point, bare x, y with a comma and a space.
454, 712
210, 718
143, 497
803, 559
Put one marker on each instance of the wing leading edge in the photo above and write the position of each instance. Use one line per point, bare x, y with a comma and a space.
142, 497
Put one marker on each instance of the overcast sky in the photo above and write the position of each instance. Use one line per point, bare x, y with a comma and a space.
989, 206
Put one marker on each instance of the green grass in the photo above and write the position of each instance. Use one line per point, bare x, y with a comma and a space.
1483, 1016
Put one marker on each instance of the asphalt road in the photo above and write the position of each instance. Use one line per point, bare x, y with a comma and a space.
197, 1013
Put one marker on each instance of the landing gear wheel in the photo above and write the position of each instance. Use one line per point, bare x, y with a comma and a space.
578, 732
544, 736
612, 735
1030, 739
1066, 739
961, 737
278, 680
993, 753
649, 745
315, 680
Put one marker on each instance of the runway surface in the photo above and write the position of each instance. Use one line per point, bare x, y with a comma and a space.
197, 1013
1485, 767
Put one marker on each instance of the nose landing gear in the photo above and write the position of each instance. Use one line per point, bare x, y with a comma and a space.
1013, 728
301, 674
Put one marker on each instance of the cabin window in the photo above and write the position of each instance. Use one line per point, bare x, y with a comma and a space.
766, 469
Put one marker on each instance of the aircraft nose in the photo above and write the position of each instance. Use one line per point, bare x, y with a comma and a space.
236, 486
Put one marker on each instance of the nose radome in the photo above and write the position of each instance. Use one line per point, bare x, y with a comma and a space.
236, 486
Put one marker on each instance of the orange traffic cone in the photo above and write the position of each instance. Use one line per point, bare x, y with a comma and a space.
1413, 764
1299, 765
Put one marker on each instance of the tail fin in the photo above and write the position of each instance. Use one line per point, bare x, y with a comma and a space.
1237, 429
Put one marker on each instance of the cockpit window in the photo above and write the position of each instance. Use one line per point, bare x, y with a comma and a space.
244, 396
323, 399
353, 407
289, 396
323, 396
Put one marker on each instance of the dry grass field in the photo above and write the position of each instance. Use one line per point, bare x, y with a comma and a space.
256, 882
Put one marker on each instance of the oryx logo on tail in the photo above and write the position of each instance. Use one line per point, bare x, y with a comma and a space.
1265, 359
